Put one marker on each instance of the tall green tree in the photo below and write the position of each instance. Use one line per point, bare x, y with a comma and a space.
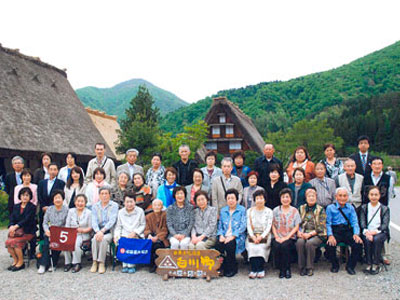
140, 128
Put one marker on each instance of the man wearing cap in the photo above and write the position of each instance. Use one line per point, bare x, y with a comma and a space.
130, 166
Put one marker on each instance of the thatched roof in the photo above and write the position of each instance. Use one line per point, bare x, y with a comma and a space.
108, 127
39, 110
239, 118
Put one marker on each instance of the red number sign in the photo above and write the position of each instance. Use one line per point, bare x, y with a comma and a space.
62, 238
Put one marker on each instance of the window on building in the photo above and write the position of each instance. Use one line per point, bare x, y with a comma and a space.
211, 145
215, 130
235, 146
229, 130
222, 118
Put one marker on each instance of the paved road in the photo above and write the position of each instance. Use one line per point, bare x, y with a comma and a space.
394, 205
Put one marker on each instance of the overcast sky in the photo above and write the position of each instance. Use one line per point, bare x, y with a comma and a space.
196, 48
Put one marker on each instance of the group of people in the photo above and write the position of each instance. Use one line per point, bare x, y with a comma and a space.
234, 209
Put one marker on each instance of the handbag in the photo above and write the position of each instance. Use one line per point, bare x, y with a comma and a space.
256, 234
18, 233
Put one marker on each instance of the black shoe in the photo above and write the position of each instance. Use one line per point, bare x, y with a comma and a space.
281, 274
334, 269
303, 272
288, 274
230, 274
10, 267
350, 271
153, 269
15, 268
67, 267
76, 268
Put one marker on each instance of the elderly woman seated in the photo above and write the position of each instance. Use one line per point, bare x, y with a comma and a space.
142, 193
374, 223
78, 217
205, 223
258, 244
156, 230
104, 217
131, 224
180, 220
231, 232
56, 215
122, 186
21, 229
312, 232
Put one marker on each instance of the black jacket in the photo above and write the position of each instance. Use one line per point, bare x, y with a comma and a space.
262, 166
10, 184
26, 220
185, 171
384, 215
359, 169
43, 195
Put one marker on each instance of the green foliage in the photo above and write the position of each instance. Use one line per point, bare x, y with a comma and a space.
250, 158
311, 134
194, 136
140, 127
115, 100
3, 209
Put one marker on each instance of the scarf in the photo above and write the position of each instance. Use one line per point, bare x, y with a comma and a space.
97, 186
168, 195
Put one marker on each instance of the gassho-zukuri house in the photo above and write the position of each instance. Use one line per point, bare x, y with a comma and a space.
231, 129
40, 112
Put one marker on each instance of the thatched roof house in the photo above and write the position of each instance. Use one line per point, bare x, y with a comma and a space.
108, 127
231, 129
39, 111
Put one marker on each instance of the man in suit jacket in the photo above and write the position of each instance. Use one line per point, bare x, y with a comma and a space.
13, 179
131, 167
263, 164
363, 158
223, 183
45, 189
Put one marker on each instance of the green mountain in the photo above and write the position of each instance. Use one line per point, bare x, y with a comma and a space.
116, 99
278, 105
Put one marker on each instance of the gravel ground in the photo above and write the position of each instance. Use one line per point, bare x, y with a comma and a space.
27, 284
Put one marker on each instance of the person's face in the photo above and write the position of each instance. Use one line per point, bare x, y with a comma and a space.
129, 203
58, 200
123, 179
374, 195
319, 171
25, 198
329, 152
170, 177
300, 155
274, 175
349, 167
75, 175
226, 168
342, 197
70, 160
156, 162
210, 161
311, 197
104, 195
201, 201
363, 146
239, 161
53, 171
26, 178
231, 201
184, 153
269, 151
260, 201
99, 151
80, 203
131, 157
17, 165
253, 180
180, 197
99, 177
377, 166
46, 160
137, 180
286, 199
157, 206
197, 178
298, 177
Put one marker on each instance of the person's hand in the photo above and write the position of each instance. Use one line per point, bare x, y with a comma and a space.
154, 239
229, 238
259, 238
99, 236
306, 236
44, 208
279, 240
194, 240
331, 241
79, 230
221, 239
357, 239
132, 235
47, 233
300, 235
116, 240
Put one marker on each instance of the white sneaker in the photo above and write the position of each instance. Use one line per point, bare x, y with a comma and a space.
252, 275
41, 270
261, 274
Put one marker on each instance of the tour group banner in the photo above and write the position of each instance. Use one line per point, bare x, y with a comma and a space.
62, 238
134, 251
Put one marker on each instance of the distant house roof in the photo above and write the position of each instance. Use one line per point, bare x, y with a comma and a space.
108, 127
39, 110
250, 132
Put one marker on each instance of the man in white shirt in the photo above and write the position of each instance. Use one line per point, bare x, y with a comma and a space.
102, 161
